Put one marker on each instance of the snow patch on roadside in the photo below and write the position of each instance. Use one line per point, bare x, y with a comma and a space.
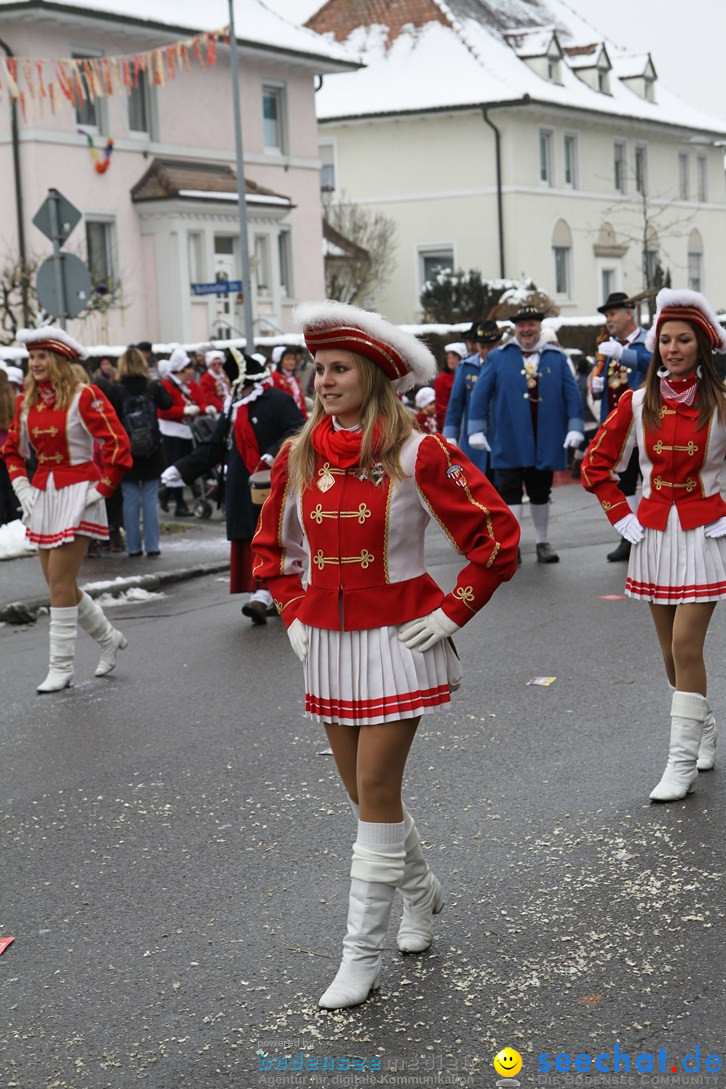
13, 542
135, 594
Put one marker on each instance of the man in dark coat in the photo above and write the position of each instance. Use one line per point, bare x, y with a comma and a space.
256, 421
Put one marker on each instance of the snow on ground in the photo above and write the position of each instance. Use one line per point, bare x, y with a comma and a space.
13, 542
135, 595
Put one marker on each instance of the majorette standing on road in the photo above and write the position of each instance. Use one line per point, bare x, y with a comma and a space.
678, 559
528, 395
622, 363
64, 506
356, 491
256, 420
486, 335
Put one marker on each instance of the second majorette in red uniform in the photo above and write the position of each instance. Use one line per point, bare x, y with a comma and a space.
677, 421
341, 544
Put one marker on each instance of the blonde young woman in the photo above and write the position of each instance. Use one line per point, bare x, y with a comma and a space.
63, 507
677, 421
355, 492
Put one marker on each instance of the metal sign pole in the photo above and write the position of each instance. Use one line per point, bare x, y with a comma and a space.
241, 203
54, 197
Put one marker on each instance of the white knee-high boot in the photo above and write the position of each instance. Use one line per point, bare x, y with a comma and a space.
422, 895
707, 748
688, 713
62, 649
92, 619
376, 869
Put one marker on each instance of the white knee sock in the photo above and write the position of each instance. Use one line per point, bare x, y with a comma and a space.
516, 509
379, 852
540, 520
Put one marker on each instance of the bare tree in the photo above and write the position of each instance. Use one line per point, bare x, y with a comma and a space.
360, 250
17, 277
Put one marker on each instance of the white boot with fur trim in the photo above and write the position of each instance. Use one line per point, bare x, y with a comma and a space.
92, 619
376, 870
688, 713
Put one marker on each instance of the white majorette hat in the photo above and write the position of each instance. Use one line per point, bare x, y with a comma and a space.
215, 356
15, 375
458, 348
178, 360
51, 338
401, 357
424, 397
691, 306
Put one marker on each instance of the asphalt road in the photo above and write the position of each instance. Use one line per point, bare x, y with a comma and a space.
175, 851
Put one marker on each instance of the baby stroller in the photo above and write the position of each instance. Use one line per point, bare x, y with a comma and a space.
210, 486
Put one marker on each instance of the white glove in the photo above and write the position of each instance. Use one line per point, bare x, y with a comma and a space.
92, 496
298, 639
427, 631
479, 441
26, 494
451, 442
612, 348
190, 411
715, 529
573, 438
172, 478
630, 528
210, 410
597, 384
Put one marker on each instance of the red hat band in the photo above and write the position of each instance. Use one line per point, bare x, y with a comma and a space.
352, 339
56, 346
692, 315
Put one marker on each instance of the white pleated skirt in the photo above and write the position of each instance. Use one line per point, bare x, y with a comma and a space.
59, 515
677, 566
359, 678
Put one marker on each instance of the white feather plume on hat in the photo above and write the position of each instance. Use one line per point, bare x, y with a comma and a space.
415, 357
669, 298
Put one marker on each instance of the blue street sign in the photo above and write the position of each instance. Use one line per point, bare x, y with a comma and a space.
218, 287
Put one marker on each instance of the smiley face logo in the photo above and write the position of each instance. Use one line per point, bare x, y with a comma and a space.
508, 1062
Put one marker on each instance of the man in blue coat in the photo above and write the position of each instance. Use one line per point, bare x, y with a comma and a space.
485, 336
626, 364
528, 394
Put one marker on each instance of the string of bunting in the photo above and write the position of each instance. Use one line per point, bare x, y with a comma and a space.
35, 83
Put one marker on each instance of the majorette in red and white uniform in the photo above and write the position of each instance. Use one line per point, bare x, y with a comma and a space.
286, 380
63, 440
213, 387
172, 420
681, 463
361, 538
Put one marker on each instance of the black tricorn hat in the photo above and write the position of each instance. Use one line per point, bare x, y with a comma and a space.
470, 334
616, 300
527, 313
487, 332
251, 368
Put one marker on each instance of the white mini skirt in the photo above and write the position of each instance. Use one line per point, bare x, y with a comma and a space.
359, 678
677, 566
59, 515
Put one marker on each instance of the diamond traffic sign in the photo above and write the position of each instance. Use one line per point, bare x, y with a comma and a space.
66, 217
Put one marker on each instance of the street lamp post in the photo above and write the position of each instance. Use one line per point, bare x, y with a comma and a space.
241, 201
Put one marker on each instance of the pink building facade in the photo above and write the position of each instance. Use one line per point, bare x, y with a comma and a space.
152, 242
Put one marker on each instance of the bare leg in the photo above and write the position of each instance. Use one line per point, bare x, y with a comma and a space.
382, 753
344, 743
60, 570
689, 635
663, 617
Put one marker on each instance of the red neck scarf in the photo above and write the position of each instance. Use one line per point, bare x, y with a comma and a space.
47, 393
341, 448
681, 391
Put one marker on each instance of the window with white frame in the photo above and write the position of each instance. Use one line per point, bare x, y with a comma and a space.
327, 167
562, 256
651, 257
701, 174
571, 161
641, 169
195, 251
683, 187
619, 166
273, 117
695, 260
545, 157
101, 251
262, 262
603, 81
284, 250
433, 260
89, 113
139, 104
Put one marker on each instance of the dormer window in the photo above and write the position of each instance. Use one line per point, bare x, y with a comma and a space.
638, 74
591, 64
540, 49
603, 81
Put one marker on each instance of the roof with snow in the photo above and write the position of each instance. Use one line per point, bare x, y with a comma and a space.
425, 55
166, 179
256, 25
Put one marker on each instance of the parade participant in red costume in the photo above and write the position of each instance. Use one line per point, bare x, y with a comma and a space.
444, 381
285, 362
214, 383
355, 492
63, 507
174, 423
425, 401
677, 563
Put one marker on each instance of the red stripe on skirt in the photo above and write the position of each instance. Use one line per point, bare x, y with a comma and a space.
405, 701
670, 592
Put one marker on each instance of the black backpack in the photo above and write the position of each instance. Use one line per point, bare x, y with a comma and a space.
141, 425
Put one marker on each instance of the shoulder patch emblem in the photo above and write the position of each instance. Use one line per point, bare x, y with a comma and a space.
456, 473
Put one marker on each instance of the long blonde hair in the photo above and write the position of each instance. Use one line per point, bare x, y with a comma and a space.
380, 405
61, 377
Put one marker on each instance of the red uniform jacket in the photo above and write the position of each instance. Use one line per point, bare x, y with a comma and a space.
681, 463
63, 442
364, 540
212, 390
443, 385
288, 383
179, 402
